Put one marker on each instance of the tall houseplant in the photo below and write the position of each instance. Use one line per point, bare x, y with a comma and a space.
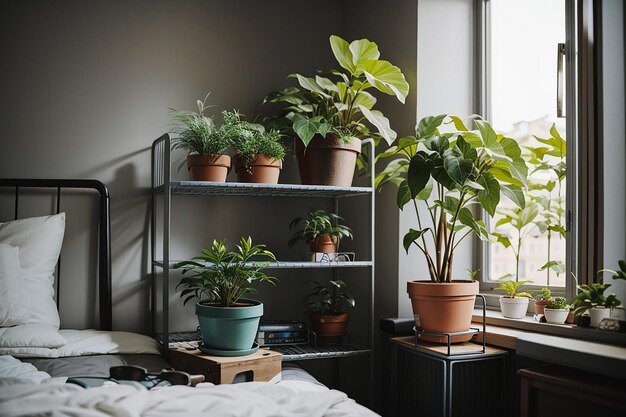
445, 177
205, 142
219, 279
330, 113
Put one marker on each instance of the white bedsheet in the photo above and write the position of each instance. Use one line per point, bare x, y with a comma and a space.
89, 342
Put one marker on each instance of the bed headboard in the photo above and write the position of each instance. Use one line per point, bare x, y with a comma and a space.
104, 232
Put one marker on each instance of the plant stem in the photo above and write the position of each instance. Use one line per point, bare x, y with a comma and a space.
431, 265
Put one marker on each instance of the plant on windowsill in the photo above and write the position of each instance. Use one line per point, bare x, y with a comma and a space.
321, 231
325, 305
557, 310
450, 175
515, 303
205, 142
259, 152
219, 279
542, 298
329, 114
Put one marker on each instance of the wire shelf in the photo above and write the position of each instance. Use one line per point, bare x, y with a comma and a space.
296, 264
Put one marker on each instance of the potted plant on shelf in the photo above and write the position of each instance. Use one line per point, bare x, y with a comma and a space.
591, 299
219, 279
321, 230
330, 113
556, 311
205, 143
325, 307
448, 174
542, 298
260, 153
515, 303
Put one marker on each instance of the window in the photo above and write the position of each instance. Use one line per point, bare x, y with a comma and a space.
521, 41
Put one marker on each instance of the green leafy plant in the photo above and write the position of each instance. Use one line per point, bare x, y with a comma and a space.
221, 276
544, 294
558, 303
197, 133
449, 174
619, 274
592, 295
318, 223
339, 102
249, 139
328, 299
512, 289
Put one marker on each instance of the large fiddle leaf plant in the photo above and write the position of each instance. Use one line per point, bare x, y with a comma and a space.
338, 101
452, 175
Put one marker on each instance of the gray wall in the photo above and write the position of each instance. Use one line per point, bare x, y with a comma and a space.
613, 91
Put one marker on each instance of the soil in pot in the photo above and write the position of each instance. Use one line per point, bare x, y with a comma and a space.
324, 244
327, 161
208, 167
330, 329
263, 169
443, 307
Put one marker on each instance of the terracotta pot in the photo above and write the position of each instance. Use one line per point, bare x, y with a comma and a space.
208, 167
540, 305
327, 161
263, 169
330, 329
324, 244
571, 319
443, 307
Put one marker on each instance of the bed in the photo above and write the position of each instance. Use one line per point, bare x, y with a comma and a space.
36, 358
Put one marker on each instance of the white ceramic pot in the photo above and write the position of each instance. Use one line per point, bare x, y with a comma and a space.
598, 313
514, 307
556, 315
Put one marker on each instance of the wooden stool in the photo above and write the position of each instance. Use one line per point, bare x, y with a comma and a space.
263, 365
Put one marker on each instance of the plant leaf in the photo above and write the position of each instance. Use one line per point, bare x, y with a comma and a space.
489, 197
380, 122
343, 55
419, 173
428, 126
387, 78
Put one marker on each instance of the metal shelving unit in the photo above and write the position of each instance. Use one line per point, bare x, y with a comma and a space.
163, 189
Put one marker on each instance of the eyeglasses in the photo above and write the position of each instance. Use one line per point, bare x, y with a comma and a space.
141, 375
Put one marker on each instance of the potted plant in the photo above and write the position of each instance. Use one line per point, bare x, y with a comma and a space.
591, 299
515, 303
330, 113
205, 143
219, 279
557, 310
260, 153
542, 298
325, 307
321, 230
447, 174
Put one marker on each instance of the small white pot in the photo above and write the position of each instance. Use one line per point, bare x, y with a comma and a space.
556, 315
597, 314
514, 307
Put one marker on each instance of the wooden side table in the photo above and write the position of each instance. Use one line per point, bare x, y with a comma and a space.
428, 382
262, 365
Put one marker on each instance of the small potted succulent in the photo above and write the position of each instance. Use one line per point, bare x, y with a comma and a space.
556, 311
320, 230
515, 303
205, 142
542, 298
325, 305
219, 279
259, 153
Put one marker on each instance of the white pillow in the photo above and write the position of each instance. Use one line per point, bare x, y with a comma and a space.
31, 335
39, 240
12, 310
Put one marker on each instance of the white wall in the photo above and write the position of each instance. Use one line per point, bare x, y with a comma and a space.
613, 90
445, 82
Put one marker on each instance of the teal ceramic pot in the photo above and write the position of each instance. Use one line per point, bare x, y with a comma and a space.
229, 328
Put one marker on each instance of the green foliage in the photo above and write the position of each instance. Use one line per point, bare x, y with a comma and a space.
544, 294
460, 171
250, 139
558, 303
328, 299
511, 288
224, 276
593, 295
318, 223
197, 133
337, 101
621, 273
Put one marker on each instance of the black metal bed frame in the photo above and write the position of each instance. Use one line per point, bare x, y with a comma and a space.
104, 233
